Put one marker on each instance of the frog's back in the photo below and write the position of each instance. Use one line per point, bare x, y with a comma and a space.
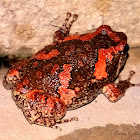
94, 64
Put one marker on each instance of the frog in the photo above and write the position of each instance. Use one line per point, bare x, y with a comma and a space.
69, 73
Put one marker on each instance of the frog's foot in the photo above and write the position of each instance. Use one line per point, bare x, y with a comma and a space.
115, 91
63, 121
65, 29
67, 120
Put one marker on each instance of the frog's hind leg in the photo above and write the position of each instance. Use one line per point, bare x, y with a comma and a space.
116, 91
63, 32
46, 110
36, 117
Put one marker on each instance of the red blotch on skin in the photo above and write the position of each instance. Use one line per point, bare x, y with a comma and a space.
67, 67
88, 36
100, 66
41, 98
50, 105
30, 94
71, 38
42, 101
55, 67
109, 31
65, 93
35, 64
103, 54
65, 76
50, 55
13, 72
19, 87
25, 81
38, 74
113, 35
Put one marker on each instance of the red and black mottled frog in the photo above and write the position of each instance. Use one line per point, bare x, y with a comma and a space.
69, 73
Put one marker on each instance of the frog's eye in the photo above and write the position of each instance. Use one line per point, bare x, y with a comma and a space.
126, 48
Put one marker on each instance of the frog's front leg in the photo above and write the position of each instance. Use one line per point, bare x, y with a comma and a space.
116, 91
63, 32
14, 74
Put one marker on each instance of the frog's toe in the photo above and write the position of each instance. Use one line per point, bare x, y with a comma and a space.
67, 120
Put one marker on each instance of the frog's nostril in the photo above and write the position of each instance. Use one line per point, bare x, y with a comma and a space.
126, 48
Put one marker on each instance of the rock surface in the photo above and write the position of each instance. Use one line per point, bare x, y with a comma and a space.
31, 24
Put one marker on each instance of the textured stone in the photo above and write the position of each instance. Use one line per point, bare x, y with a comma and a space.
32, 23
